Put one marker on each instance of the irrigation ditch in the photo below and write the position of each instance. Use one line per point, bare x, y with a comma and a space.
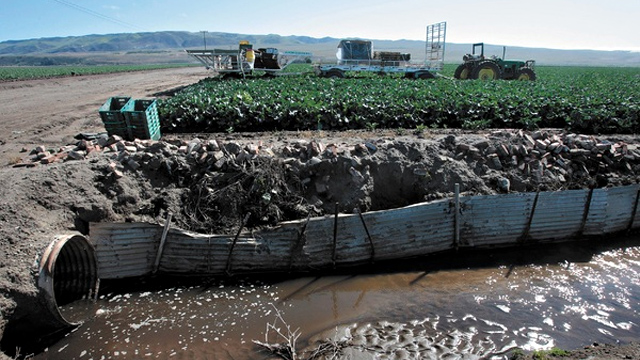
104, 208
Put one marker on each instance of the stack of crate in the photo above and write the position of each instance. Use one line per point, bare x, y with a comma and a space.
131, 118
142, 118
113, 119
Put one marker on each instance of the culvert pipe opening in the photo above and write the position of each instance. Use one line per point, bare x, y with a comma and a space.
67, 271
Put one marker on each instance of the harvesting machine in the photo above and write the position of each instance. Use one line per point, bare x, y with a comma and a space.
358, 56
246, 59
477, 66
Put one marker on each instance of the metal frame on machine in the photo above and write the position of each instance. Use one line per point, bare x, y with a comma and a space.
435, 46
234, 61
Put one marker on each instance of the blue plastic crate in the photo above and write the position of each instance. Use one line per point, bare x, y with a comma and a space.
113, 118
141, 116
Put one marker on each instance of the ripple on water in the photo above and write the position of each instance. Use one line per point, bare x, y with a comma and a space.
459, 314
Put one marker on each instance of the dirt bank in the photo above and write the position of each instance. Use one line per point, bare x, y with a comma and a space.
210, 181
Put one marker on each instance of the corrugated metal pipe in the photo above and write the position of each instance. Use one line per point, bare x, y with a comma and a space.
67, 271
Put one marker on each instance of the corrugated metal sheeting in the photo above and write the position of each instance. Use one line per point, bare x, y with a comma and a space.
130, 249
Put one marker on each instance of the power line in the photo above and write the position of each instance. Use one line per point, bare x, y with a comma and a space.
97, 14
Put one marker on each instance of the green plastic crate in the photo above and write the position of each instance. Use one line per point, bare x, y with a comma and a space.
113, 118
141, 116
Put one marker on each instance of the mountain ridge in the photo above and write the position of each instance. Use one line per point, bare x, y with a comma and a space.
76, 48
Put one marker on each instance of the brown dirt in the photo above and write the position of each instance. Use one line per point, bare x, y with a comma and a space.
52, 111
39, 202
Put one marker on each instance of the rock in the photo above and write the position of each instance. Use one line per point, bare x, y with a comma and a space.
113, 139
155, 162
265, 151
356, 175
219, 163
194, 146
242, 157
315, 148
360, 148
252, 149
288, 151
522, 150
475, 153
217, 155
420, 171
76, 154
553, 146
213, 145
579, 152
504, 184
103, 140
321, 187
202, 158
233, 148
531, 141
463, 148
48, 159
494, 162
482, 145
514, 161
134, 165
113, 168
502, 151
314, 160
371, 147
603, 147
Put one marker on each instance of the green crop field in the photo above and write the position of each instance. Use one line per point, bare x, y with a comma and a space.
11, 73
586, 100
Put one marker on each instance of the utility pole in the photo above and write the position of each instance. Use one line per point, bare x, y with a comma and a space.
204, 38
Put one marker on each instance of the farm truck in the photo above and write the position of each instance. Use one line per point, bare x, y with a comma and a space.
358, 56
477, 66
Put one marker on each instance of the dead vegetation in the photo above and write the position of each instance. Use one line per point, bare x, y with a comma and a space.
262, 187
284, 344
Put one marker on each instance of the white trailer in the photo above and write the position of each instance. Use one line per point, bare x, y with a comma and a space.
358, 55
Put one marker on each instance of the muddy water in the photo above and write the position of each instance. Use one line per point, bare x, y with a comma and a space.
461, 306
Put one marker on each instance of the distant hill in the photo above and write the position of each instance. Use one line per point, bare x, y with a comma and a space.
167, 46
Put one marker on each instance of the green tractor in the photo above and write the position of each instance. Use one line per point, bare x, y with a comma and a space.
476, 66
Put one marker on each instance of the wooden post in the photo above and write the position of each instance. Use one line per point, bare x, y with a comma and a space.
456, 217
233, 244
335, 236
585, 214
634, 212
527, 228
167, 226
373, 250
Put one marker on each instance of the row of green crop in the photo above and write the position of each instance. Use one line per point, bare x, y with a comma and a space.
11, 73
588, 100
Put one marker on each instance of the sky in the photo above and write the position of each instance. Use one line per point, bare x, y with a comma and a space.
556, 24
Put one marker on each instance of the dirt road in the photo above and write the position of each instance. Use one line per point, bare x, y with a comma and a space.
52, 111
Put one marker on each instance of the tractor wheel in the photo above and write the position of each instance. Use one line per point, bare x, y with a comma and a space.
525, 74
463, 72
335, 74
486, 70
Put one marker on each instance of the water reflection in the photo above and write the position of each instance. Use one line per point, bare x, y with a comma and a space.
460, 306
